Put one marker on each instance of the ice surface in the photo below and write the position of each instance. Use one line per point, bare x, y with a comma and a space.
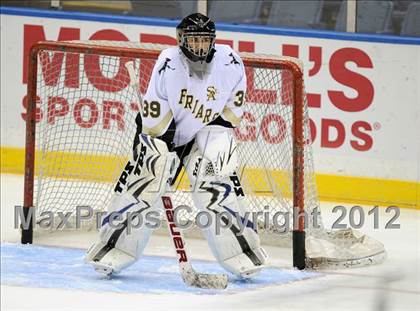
52, 267
62, 282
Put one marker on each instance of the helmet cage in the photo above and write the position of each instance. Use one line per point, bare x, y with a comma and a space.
197, 45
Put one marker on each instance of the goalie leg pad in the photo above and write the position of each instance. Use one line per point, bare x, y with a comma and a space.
112, 260
146, 174
123, 236
125, 230
235, 244
241, 265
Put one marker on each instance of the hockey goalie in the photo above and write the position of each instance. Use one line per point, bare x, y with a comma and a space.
192, 103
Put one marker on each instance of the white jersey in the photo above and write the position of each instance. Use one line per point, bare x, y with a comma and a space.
175, 95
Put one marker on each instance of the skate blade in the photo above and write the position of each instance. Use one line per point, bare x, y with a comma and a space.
252, 272
103, 269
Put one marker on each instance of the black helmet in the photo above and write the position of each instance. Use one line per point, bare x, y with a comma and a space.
196, 35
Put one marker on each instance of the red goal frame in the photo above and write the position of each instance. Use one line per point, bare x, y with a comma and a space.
249, 61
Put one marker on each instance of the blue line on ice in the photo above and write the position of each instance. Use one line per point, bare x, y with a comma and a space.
53, 267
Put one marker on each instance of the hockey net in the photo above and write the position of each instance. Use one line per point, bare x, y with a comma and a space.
82, 103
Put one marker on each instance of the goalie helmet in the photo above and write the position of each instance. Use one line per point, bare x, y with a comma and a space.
196, 35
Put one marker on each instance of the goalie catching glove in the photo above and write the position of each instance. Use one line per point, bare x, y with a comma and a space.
216, 151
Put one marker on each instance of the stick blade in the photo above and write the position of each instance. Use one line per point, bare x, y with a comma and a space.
203, 280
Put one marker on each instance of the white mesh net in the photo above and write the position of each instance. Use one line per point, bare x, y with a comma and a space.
87, 105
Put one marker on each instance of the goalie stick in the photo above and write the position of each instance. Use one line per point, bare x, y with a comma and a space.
189, 275
134, 82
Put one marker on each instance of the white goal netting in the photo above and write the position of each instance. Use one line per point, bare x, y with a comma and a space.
86, 106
